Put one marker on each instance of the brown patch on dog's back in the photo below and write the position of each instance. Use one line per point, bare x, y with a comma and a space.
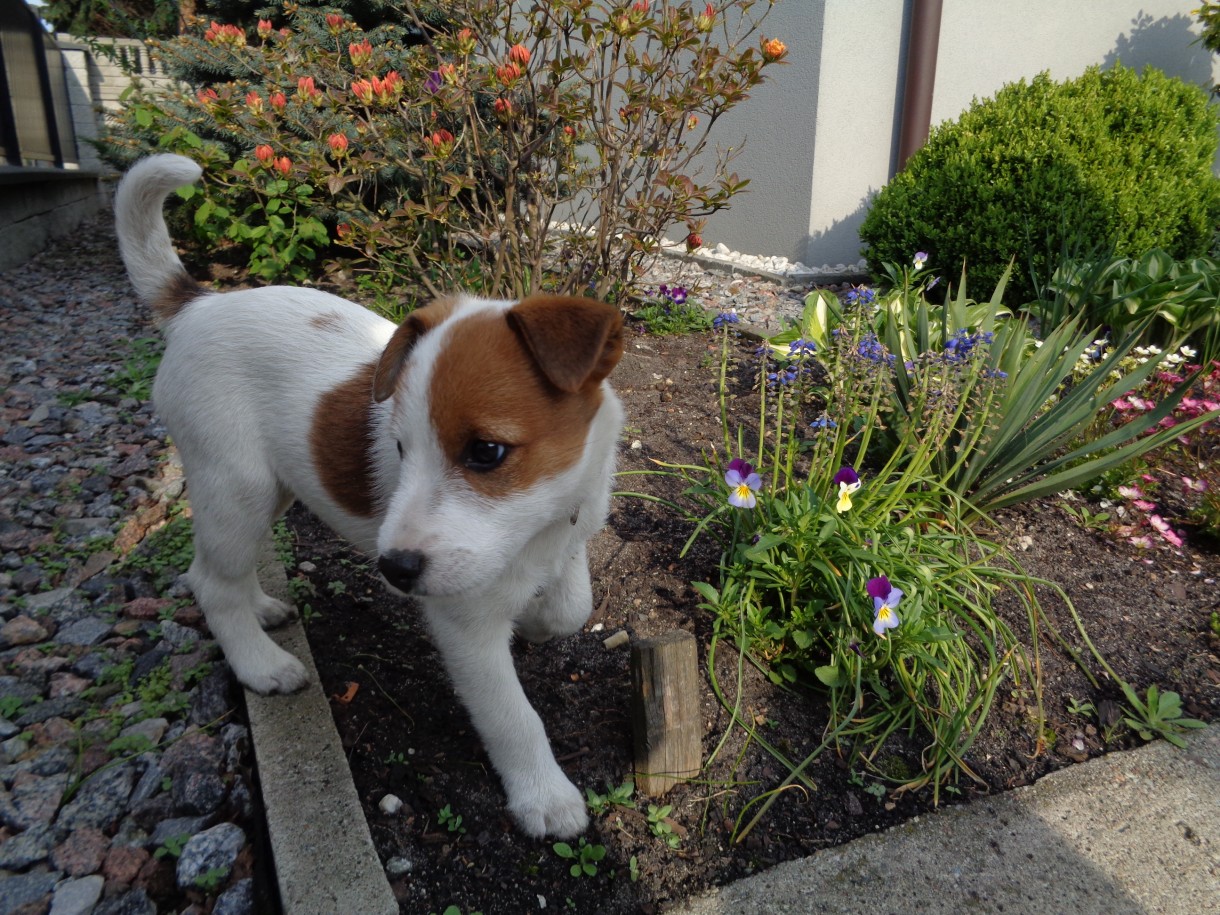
180, 291
485, 385
341, 443
330, 321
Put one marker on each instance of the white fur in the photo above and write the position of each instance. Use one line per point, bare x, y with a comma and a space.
238, 387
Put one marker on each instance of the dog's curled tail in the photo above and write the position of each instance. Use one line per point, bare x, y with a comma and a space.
152, 264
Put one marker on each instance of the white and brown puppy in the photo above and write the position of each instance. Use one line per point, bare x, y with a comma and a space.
470, 450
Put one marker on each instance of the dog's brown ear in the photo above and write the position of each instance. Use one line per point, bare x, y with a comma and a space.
575, 342
394, 356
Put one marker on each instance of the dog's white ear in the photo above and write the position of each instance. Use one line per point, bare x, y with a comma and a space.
394, 356
575, 342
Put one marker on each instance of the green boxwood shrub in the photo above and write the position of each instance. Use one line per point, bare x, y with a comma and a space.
1111, 161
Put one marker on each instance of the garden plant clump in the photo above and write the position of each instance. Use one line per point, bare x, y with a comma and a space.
502, 148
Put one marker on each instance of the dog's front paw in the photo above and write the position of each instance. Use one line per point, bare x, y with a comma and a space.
553, 807
269, 670
272, 612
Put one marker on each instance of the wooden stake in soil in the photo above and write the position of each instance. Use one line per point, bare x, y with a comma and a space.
665, 711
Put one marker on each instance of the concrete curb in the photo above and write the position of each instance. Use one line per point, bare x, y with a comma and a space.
325, 862
1130, 833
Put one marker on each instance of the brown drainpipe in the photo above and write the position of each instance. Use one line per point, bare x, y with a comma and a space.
923, 38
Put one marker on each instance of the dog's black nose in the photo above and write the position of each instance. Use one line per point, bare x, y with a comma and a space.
402, 568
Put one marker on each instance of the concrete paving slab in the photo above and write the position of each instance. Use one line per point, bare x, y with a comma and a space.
1129, 833
325, 862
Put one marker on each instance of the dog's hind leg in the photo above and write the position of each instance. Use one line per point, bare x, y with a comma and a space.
232, 515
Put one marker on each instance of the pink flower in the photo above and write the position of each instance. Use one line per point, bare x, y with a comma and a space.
1144, 505
1162, 527
1130, 492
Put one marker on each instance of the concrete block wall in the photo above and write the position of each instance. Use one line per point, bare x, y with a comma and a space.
40, 204
99, 71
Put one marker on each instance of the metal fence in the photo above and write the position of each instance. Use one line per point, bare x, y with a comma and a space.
35, 111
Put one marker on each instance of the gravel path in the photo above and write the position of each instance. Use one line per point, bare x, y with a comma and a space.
124, 751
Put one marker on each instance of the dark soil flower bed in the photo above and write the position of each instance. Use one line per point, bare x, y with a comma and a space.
1148, 612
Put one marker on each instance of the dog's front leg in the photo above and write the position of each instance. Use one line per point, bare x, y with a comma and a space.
564, 606
477, 656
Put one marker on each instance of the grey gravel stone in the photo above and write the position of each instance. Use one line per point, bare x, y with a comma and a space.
63, 707
150, 782
102, 799
38, 603
198, 793
236, 900
35, 800
12, 749
152, 729
77, 896
26, 848
15, 687
86, 632
179, 636
217, 847
133, 902
175, 828
17, 890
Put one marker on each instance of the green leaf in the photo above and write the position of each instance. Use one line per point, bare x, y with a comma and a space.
829, 675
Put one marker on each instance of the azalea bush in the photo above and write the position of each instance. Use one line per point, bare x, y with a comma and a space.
541, 144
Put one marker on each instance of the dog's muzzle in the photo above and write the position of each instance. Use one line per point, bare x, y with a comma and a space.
402, 568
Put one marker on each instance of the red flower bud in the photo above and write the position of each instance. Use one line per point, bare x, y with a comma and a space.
337, 143
508, 73
264, 154
519, 54
361, 53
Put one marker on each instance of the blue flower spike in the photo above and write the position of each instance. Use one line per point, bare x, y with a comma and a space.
885, 603
743, 482
848, 481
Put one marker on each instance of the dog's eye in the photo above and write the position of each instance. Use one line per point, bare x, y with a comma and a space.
399, 444
484, 456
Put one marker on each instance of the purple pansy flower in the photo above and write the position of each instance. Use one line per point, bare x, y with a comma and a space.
743, 482
848, 481
885, 602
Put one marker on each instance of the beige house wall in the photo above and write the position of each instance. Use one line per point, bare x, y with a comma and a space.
821, 136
